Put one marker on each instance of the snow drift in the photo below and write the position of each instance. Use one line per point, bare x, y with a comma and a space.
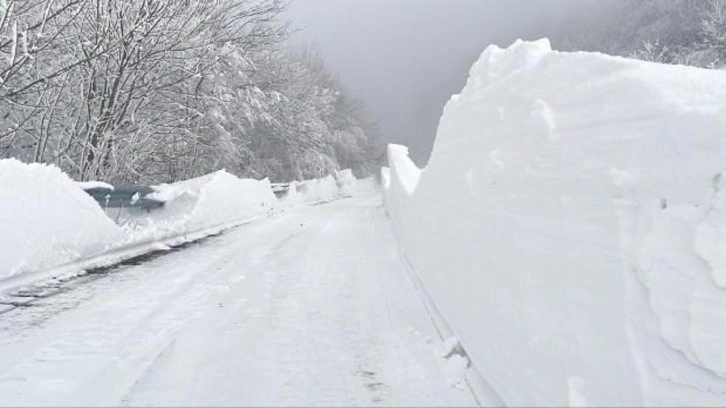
571, 227
47, 220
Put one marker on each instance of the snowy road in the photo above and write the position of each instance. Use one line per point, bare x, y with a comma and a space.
310, 307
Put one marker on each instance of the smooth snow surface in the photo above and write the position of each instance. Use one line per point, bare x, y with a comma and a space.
571, 227
47, 220
310, 307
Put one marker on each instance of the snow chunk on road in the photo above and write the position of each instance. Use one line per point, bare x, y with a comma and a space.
570, 227
46, 220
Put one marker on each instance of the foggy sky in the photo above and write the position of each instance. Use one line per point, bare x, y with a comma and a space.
405, 58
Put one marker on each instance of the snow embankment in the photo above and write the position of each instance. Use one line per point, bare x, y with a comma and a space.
213, 201
311, 192
350, 186
50, 227
47, 220
571, 227
340, 185
318, 190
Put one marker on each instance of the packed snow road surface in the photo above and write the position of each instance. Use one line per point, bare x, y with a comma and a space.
310, 307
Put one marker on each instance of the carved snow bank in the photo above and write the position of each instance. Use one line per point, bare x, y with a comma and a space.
571, 227
210, 201
46, 220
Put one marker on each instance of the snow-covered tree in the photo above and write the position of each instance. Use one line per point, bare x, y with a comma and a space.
690, 32
160, 90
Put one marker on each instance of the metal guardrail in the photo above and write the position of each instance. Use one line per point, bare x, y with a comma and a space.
277, 187
136, 196
125, 197
280, 189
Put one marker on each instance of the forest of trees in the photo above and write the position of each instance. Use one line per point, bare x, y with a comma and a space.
148, 91
688, 32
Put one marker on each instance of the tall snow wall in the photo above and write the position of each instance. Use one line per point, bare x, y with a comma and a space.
571, 227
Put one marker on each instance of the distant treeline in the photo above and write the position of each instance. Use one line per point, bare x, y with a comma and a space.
688, 32
147, 91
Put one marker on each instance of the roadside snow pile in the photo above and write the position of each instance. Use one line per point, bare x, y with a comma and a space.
49, 226
46, 220
311, 192
292, 196
366, 186
571, 227
318, 190
350, 186
210, 201
226, 198
346, 182
342, 184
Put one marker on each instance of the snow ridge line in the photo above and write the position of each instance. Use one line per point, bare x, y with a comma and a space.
481, 390
116, 256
